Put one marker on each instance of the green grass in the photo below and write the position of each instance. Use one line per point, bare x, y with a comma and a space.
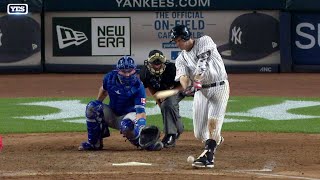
11, 108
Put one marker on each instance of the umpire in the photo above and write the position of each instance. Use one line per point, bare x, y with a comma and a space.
158, 74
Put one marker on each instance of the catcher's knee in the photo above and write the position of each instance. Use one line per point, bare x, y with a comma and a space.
94, 110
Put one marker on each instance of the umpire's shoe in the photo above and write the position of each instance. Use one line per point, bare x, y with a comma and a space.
86, 146
169, 140
206, 159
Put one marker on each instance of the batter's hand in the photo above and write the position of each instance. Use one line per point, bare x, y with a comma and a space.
197, 85
189, 91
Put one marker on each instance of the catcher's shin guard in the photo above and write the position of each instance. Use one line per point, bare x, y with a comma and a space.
95, 135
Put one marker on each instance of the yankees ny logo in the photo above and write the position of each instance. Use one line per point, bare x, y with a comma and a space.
236, 35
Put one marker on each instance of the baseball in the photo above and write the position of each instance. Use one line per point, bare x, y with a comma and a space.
190, 159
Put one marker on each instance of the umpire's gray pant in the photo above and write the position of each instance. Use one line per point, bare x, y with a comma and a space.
170, 114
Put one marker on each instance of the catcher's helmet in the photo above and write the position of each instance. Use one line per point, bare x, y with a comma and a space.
126, 64
180, 31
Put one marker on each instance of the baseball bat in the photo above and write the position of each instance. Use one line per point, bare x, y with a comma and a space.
165, 93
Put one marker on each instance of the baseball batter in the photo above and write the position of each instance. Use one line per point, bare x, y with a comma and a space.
201, 71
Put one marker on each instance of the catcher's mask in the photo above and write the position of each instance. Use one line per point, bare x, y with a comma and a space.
127, 71
156, 62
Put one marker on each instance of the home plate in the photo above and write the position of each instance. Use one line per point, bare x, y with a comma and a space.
131, 164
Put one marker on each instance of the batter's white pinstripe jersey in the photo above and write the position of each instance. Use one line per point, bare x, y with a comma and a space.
187, 61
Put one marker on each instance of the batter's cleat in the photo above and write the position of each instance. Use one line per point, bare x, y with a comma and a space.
206, 159
86, 146
202, 162
169, 140
221, 141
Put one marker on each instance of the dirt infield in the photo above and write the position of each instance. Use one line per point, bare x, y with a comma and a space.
245, 155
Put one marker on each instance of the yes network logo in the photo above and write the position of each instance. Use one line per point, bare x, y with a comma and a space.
17, 9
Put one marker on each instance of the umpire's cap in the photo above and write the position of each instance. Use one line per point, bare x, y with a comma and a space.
180, 31
20, 37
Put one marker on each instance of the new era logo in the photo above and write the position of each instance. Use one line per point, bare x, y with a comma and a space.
68, 37
17, 8
34, 46
274, 44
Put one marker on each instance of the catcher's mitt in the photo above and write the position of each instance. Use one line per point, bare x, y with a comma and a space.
149, 135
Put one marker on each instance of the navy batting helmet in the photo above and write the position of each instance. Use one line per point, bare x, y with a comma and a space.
180, 31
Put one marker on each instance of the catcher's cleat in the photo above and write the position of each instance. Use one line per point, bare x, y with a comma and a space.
169, 140
155, 147
86, 146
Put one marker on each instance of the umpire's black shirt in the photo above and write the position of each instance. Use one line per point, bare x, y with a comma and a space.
162, 82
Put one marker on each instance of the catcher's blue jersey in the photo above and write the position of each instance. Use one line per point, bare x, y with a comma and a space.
123, 99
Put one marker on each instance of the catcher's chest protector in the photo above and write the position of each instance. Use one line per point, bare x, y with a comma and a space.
121, 97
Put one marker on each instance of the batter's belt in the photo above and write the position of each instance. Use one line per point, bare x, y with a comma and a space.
213, 84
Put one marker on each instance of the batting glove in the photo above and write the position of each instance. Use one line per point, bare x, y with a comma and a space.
189, 91
197, 85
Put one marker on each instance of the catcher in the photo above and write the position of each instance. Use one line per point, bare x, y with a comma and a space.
125, 111
157, 75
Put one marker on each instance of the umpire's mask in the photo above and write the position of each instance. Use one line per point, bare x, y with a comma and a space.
156, 62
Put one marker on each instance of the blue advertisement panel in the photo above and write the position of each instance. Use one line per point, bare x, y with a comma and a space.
305, 41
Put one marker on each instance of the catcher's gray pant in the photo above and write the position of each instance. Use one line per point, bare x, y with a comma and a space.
113, 120
170, 114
